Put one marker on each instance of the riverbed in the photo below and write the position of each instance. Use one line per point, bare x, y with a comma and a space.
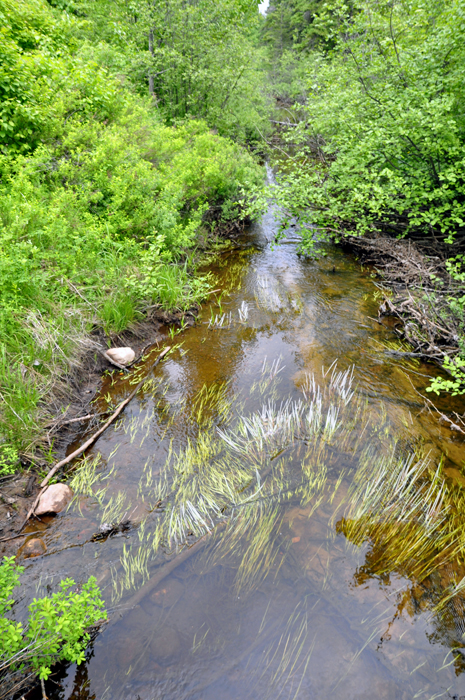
262, 434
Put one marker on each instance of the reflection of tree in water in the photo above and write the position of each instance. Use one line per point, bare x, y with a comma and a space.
414, 525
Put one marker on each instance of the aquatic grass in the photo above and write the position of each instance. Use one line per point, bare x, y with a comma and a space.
220, 321
405, 510
243, 312
211, 403
271, 296
116, 509
287, 656
243, 472
88, 481
243, 468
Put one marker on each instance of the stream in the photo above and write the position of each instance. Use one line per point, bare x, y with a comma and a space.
286, 430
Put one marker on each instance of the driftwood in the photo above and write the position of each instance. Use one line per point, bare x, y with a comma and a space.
420, 292
90, 441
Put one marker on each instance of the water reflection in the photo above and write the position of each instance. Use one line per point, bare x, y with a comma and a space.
331, 521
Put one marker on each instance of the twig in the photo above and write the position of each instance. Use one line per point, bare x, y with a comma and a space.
453, 426
91, 440
76, 420
23, 534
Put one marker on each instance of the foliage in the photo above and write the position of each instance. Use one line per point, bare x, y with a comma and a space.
382, 138
56, 629
300, 25
386, 107
454, 386
8, 460
196, 59
100, 200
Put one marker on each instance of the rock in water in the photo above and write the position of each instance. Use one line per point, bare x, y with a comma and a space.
122, 356
32, 548
54, 499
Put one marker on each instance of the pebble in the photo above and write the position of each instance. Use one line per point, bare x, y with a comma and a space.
54, 499
122, 356
32, 548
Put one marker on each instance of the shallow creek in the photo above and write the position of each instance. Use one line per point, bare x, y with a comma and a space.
317, 580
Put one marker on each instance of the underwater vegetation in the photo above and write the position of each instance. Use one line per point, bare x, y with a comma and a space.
247, 460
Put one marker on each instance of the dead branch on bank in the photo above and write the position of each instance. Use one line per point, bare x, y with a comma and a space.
420, 290
91, 440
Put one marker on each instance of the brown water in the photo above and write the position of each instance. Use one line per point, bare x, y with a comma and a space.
295, 594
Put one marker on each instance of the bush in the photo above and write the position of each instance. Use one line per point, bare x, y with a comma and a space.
56, 629
384, 118
100, 203
8, 460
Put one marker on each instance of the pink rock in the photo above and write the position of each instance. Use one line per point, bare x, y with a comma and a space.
54, 499
122, 356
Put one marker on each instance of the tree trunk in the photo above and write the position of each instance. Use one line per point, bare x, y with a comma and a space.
151, 78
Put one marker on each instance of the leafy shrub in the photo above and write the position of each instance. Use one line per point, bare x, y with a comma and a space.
100, 201
384, 119
8, 460
385, 108
56, 629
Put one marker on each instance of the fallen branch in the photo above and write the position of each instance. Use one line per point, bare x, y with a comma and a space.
91, 440
23, 534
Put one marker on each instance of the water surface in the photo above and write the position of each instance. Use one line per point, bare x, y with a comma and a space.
295, 593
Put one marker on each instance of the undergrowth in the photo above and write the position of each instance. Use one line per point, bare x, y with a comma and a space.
57, 629
101, 205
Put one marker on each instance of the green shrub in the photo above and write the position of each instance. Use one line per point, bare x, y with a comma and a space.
100, 202
382, 139
56, 629
385, 108
8, 460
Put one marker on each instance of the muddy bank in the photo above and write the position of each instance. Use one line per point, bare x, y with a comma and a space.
65, 431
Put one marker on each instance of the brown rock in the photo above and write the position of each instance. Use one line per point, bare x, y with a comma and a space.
122, 356
54, 499
32, 548
168, 593
165, 644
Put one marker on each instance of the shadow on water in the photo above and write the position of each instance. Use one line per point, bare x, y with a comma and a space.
285, 434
